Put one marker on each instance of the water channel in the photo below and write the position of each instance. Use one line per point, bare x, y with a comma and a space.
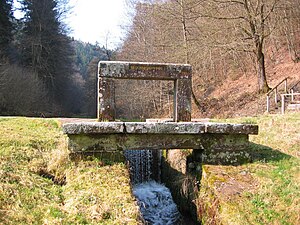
155, 200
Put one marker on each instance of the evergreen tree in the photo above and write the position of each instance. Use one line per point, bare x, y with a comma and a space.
6, 27
46, 48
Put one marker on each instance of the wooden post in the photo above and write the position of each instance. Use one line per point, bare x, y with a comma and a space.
268, 103
282, 104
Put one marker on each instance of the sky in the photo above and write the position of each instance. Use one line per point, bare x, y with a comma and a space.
98, 21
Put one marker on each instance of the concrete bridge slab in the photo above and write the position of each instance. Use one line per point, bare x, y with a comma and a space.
216, 142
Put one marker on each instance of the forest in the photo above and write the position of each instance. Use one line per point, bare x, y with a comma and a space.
224, 40
45, 72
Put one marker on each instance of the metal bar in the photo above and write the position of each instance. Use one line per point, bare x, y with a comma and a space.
291, 94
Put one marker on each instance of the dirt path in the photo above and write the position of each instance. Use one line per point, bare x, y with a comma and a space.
75, 120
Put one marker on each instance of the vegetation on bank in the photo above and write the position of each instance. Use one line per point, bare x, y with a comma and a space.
266, 191
39, 184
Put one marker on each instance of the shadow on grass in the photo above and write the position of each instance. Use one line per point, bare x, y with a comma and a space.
266, 154
239, 155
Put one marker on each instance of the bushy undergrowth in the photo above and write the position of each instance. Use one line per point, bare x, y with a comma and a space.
266, 191
39, 184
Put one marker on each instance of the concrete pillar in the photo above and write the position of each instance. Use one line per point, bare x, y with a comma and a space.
106, 99
183, 100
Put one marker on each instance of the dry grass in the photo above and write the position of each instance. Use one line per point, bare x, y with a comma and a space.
266, 191
40, 185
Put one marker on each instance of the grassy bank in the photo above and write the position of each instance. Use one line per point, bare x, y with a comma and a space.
39, 184
265, 191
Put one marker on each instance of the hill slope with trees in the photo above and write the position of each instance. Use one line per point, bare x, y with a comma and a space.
238, 49
43, 71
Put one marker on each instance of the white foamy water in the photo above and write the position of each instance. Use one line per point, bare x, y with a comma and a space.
141, 164
156, 203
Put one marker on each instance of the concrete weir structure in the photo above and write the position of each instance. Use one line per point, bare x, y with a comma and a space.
217, 143
193, 143
213, 142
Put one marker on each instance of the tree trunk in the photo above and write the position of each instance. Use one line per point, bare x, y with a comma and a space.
263, 86
199, 106
186, 48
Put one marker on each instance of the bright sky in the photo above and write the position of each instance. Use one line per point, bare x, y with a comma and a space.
98, 20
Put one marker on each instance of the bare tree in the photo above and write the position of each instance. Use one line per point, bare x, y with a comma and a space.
251, 23
288, 15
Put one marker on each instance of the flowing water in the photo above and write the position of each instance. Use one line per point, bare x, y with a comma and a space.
154, 199
156, 203
140, 164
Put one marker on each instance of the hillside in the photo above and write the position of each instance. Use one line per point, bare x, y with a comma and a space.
238, 96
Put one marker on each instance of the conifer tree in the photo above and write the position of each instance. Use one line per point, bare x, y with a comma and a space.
46, 47
6, 27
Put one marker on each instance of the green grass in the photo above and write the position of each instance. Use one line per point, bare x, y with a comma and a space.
39, 184
266, 191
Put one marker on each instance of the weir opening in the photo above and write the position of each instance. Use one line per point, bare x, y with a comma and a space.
144, 165
154, 199
167, 87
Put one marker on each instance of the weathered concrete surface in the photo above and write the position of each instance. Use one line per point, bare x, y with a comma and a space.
189, 128
217, 148
106, 99
108, 71
181, 172
144, 70
158, 128
164, 128
222, 143
183, 95
93, 128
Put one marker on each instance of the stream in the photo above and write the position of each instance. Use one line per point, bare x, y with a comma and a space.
154, 199
156, 203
